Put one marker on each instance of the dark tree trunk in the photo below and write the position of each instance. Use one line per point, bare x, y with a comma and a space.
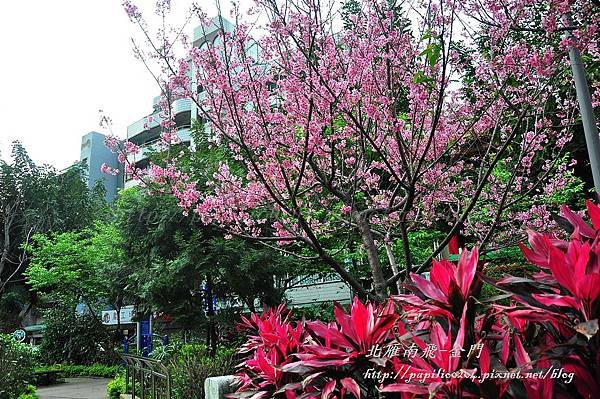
379, 283
211, 334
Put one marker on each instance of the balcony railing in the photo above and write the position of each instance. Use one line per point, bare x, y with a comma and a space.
184, 135
179, 106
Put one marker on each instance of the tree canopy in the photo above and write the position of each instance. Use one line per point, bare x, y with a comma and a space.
451, 116
36, 199
78, 267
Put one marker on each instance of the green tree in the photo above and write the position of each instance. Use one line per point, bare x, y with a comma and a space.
14, 380
175, 262
73, 267
62, 269
75, 338
36, 199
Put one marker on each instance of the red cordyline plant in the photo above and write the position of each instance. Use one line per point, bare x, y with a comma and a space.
565, 291
440, 341
270, 348
311, 359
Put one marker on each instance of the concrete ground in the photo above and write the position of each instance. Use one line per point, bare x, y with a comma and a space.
75, 388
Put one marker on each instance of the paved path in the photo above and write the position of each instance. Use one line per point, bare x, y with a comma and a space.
75, 388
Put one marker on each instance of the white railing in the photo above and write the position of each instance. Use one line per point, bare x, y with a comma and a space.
140, 126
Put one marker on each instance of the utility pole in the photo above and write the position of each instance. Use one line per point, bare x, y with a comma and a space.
588, 118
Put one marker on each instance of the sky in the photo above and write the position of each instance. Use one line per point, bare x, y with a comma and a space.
64, 60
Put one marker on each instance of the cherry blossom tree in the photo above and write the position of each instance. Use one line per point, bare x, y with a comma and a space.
372, 121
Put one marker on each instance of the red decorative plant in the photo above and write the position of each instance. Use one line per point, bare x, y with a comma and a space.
440, 341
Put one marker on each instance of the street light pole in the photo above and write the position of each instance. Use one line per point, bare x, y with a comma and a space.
584, 99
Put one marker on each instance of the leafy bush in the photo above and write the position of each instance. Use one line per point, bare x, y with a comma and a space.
191, 365
116, 387
29, 393
44, 379
77, 370
286, 359
164, 352
76, 339
322, 311
16, 367
440, 341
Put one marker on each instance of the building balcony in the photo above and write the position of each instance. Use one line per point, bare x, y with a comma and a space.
182, 105
143, 125
141, 158
208, 33
151, 146
145, 130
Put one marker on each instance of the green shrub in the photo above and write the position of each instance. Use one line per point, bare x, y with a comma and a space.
29, 393
164, 353
77, 370
322, 311
101, 370
47, 378
191, 365
76, 339
116, 387
16, 367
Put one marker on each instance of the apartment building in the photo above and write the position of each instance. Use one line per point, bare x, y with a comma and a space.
145, 132
93, 154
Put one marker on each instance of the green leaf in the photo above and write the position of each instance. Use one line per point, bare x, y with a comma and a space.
432, 53
420, 77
